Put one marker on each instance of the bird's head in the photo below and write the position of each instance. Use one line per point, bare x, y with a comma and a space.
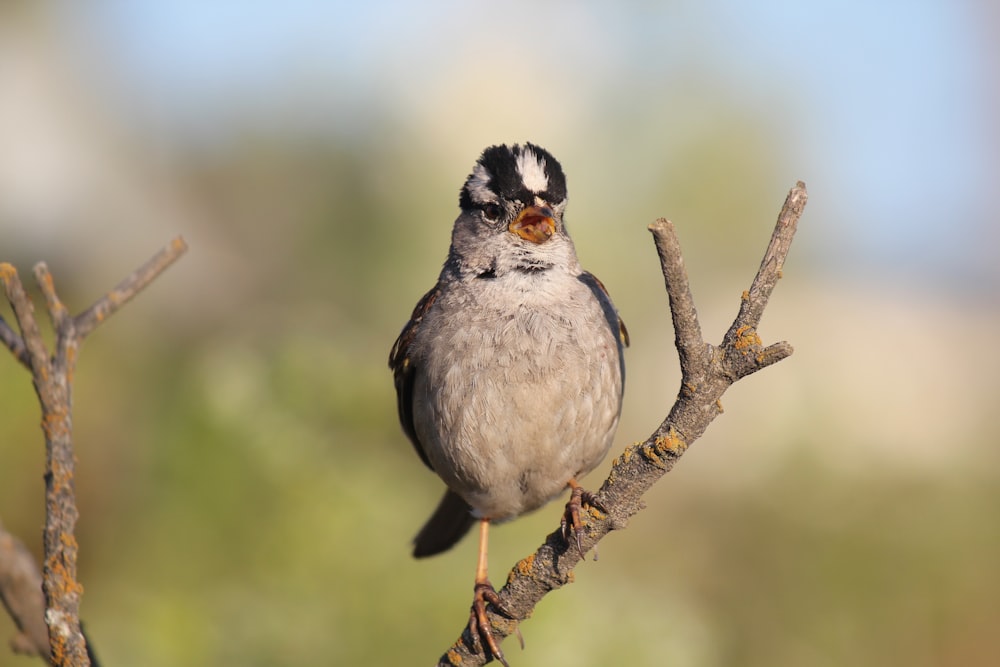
512, 213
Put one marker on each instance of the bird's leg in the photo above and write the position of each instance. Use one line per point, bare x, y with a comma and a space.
479, 625
571, 522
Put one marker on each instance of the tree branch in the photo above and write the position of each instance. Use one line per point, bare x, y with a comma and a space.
52, 376
706, 372
109, 304
21, 593
14, 343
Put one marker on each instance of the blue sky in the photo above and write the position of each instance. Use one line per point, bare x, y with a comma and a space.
893, 91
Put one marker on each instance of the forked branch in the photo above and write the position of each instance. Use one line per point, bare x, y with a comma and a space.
707, 371
52, 374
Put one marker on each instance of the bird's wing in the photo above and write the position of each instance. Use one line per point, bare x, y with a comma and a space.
601, 292
403, 370
614, 320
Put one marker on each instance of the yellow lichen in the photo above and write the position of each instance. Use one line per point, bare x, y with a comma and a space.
7, 272
525, 565
596, 513
671, 442
652, 454
746, 338
45, 282
55, 425
61, 577
68, 541
57, 644
670, 445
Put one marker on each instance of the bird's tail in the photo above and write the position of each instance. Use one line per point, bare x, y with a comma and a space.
450, 522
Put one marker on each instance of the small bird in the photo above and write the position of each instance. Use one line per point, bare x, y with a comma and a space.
509, 374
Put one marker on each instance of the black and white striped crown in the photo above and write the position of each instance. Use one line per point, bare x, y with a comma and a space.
514, 173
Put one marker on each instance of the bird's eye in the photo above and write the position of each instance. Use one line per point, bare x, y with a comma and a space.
491, 211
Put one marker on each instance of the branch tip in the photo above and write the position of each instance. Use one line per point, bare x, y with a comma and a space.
124, 291
774, 353
57, 311
661, 226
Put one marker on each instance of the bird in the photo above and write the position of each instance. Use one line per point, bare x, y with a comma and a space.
510, 372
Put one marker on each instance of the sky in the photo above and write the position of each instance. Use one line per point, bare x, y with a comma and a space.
892, 93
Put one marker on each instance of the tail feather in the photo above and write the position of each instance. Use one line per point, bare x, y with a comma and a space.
450, 522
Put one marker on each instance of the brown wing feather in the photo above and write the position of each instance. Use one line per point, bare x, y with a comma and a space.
402, 370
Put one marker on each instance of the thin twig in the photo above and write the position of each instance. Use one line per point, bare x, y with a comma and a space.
752, 308
24, 311
66, 338
21, 593
706, 373
109, 304
687, 330
14, 343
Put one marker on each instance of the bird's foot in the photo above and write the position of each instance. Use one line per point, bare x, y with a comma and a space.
571, 522
480, 629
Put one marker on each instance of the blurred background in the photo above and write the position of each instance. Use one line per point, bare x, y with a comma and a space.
246, 494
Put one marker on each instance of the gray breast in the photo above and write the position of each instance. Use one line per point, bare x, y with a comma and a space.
520, 391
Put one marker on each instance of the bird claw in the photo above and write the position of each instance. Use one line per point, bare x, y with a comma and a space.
571, 522
480, 629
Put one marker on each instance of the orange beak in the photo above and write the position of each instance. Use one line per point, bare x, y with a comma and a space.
534, 223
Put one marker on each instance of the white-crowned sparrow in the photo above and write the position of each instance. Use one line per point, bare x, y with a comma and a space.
509, 374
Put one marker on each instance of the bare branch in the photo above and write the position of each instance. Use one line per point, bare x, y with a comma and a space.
53, 380
24, 311
21, 593
752, 308
706, 373
14, 343
57, 311
687, 330
62, 323
109, 304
